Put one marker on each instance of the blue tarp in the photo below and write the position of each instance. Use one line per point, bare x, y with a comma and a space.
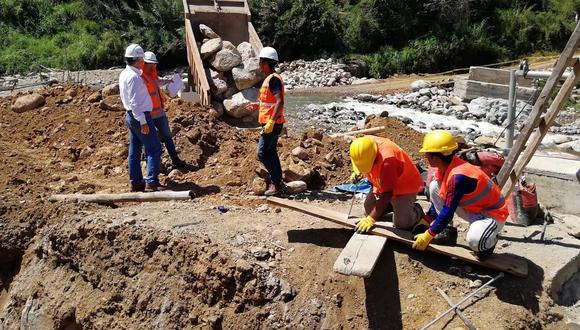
364, 186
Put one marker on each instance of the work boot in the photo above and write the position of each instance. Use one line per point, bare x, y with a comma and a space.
137, 187
150, 187
485, 254
446, 237
178, 163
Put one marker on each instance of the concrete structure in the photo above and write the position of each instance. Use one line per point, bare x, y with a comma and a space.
555, 178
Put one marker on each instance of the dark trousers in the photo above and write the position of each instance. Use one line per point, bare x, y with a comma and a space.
268, 154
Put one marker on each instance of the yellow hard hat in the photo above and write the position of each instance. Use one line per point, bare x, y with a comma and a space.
439, 141
363, 151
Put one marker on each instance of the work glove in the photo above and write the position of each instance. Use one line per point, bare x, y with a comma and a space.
422, 225
364, 225
269, 127
422, 240
355, 178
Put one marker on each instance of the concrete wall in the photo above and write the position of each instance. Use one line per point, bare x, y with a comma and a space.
471, 89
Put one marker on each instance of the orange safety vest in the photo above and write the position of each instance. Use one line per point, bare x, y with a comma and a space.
486, 199
152, 85
268, 101
409, 181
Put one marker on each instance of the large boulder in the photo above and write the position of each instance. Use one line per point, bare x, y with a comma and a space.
248, 75
296, 172
28, 102
109, 90
357, 68
479, 107
296, 187
236, 106
207, 32
225, 60
217, 83
246, 51
228, 45
420, 84
210, 47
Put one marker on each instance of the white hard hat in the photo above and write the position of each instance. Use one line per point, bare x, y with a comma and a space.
269, 53
134, 50
150, 58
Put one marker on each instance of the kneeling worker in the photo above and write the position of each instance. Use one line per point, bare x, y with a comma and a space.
458, 186
395, 181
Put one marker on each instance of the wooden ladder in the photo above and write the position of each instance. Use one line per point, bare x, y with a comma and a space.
538, 122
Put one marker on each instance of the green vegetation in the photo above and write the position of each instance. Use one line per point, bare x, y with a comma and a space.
393, 36
412, 35
83, 34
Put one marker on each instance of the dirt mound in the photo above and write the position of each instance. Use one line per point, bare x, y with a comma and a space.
405, 137
89, 273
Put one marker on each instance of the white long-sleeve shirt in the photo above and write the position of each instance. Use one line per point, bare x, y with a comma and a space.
134, 93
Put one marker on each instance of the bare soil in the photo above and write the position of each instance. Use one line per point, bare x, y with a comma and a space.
182, 265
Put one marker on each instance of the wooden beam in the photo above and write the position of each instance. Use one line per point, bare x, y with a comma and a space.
156, 196
360, 255
362, 131
503, 262
543, 127
535, 115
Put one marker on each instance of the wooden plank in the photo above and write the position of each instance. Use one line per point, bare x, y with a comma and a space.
545, 123
379, 129
360, 255
156, 196
503, 262
535, 116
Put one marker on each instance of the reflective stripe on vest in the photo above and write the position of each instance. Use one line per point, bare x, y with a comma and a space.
268, 101
155, 93
408, 182
486, 199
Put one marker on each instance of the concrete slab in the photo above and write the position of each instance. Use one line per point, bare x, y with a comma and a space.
360, 255
556, 183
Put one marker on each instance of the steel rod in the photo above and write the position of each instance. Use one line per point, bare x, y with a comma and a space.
457, 311
428, 325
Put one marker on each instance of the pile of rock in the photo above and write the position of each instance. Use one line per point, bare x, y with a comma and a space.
329, 116
320, 73
233, 73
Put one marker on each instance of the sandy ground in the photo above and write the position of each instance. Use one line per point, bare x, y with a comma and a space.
181, 265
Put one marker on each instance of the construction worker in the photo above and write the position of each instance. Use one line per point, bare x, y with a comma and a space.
151, 79
395, 179
456, 186
137, 103
271, 116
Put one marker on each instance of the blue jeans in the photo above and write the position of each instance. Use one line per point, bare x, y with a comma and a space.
162, 125
152, 150
268, 154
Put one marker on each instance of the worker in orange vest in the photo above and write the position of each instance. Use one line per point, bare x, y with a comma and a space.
271, 116
457, 186
395, 179
151, 79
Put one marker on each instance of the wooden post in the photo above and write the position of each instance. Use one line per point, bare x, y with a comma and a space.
156, 196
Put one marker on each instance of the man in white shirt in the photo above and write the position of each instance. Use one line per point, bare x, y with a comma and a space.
142, 133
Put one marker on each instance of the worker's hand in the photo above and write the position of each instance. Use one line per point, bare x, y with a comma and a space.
355, 178
269, 127
422, 240
422, 225
145, 129
364, 225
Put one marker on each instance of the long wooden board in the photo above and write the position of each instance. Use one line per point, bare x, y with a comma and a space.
503, 262
360, 255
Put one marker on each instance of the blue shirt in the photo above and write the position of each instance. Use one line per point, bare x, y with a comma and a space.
460, 185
